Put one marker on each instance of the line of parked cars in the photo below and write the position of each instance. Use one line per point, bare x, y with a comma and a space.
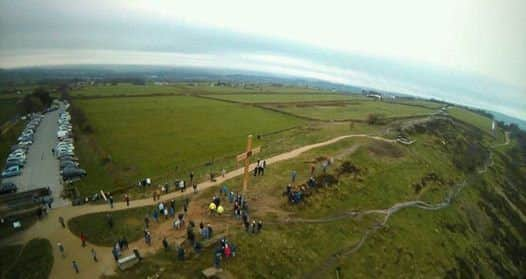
65, 149
17, 158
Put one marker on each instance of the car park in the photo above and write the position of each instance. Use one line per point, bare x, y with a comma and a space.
8, 187
11, 171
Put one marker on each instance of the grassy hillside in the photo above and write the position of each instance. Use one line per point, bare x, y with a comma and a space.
148, 137
32, 261
478, 235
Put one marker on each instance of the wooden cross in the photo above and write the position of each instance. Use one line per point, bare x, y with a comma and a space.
245, 156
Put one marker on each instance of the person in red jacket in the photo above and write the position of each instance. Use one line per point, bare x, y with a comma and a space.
227, 251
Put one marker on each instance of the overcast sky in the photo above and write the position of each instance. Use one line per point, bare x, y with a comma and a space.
481, 38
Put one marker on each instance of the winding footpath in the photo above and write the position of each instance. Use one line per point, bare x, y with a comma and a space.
50, 228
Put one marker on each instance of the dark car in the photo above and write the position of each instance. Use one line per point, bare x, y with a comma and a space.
68, 164
11, 171
14, 162
8, 187
71, 173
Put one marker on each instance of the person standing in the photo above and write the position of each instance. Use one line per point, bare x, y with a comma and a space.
115, 254
127, 199
110, 199
94, 255
293, 176
75, 266
223, 172
110, 220
195, 187
191, 177
83, 239
259, 226
137, 254
61, 249
256, 168
61, 221
146, 222
165, 243
180, 253
217, 260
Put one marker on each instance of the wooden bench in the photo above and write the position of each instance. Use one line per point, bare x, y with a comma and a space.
127, 262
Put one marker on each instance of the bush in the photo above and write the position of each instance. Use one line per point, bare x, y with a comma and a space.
375, 118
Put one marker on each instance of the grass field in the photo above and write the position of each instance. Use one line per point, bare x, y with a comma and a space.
147, 137
7, 109
33, 261
127, 223
459, 241
286, 98
8, 256
475, 119
128, 89
353, 111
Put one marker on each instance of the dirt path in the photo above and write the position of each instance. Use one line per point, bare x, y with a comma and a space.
50, 228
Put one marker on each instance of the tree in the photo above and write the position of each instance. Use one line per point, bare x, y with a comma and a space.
42, 94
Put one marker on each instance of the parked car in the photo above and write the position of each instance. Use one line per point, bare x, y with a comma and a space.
26, 142
71, 173
17, 156
61, 154
69, 158
18, 152
68, 164
8, 187
65, 146
11, 171
15, 161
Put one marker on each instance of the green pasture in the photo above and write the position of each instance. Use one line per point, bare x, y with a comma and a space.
286, 98
146, 137
353, 111
126, 89
126, 223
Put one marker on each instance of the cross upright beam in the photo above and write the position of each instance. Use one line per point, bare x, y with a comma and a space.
245, 157
247, 164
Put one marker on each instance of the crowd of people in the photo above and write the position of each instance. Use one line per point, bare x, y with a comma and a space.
166, 210
296, 194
